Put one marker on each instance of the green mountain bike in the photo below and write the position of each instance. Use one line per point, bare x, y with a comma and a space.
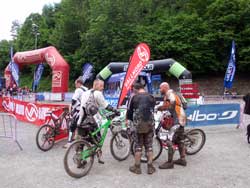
79, 157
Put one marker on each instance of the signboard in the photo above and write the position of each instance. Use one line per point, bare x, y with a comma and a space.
213, 114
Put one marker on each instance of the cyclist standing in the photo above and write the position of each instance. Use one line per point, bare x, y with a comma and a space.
173, 103
87, 116
75, 108
140, 112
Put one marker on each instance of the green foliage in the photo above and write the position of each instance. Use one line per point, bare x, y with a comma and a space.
4, 55
196, 33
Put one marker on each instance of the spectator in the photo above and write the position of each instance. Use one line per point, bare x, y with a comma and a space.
246, 99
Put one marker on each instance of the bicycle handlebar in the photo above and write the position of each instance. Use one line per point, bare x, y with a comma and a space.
110, 115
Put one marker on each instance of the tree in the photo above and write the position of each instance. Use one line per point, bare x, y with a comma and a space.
4, 55
15, 28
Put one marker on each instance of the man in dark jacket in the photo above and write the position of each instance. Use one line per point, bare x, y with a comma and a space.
140, 112
246, 99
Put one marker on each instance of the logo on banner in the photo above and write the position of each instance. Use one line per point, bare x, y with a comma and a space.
6, 104
197, 116
20, 58
148, 67
31, 112
50, 59
142, 53
57, 78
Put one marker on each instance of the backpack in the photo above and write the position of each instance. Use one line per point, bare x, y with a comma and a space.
91, 107
183, 100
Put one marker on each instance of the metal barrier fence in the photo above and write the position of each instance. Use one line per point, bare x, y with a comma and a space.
221, 99
8, 127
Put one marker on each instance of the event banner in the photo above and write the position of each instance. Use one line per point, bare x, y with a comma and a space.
137, 62
229, 76
37, 76
35, 113
13, 67
87, 72
213, 114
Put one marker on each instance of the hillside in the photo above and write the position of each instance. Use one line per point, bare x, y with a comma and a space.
208, 85
213, 85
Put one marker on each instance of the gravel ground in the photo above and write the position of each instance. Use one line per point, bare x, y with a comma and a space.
224, 162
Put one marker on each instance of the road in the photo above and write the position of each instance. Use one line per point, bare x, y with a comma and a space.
224, 162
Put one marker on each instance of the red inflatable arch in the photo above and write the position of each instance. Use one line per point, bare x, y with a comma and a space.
60, 68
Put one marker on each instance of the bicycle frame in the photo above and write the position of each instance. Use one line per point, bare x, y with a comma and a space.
99, 144
56, 120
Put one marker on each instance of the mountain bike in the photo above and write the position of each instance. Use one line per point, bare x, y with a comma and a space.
194, 140
79, 157
120, 143
54, 126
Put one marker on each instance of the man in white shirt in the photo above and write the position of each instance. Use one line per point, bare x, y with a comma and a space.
75, 108
100, 101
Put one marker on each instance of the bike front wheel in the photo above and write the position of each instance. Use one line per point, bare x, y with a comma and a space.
194, 141
79, 158
157, 150
45, 137
120, 145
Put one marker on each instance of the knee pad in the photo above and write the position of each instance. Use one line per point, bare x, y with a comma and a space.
149, 149
138, 149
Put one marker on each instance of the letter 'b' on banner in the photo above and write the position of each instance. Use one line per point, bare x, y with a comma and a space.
137, 62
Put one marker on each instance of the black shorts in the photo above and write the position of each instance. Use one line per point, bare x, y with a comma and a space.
144, 139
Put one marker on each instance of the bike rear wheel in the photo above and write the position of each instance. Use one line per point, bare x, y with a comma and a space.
45, 137
194, 141
78, 159
120, 145
157, 149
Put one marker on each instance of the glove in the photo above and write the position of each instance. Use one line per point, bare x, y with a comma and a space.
117, 113
128, 130
110, 108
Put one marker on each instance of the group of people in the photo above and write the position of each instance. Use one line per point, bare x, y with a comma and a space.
140, 113
15, 90
80, 114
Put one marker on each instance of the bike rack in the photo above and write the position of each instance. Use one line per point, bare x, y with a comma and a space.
8, 127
